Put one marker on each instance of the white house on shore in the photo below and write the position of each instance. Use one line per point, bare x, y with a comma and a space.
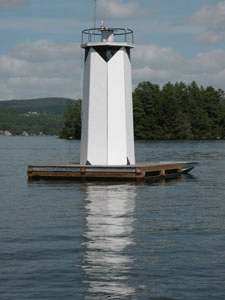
5, 133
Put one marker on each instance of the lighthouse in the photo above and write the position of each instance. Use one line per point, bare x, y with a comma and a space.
107, 136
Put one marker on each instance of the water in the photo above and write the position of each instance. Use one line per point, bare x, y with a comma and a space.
111, 241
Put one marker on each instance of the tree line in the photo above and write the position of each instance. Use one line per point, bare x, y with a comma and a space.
17, 124
34, 116
175, 111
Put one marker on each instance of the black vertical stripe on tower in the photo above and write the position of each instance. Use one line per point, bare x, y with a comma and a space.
86, 53
128, 52
107, 52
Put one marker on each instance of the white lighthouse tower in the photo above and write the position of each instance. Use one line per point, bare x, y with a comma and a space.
107, 114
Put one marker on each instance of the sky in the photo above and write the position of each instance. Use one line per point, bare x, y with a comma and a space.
40, 54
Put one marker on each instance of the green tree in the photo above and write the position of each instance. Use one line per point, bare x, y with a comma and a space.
178, 111
72, 121
146, 98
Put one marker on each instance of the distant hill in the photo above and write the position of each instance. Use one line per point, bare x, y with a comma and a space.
175, 111
49, 105
33, 116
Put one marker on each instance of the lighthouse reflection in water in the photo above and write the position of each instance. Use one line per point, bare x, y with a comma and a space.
108, 235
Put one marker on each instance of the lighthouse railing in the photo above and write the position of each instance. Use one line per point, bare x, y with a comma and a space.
95, 35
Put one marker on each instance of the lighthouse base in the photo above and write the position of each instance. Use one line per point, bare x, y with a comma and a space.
136, 173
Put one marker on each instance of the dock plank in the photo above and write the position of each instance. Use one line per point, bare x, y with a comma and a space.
139, 171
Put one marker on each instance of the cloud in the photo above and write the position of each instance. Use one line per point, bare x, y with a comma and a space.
10, 67
43, 51
117, 9
43, 25
155, 64
160, 65
214, 18
41, 69
209, 62
47, 69
12, 3
158, 58
35, 87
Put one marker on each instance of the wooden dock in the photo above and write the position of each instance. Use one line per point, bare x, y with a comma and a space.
137, 172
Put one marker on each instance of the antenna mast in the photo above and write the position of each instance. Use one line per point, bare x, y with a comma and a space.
95, 15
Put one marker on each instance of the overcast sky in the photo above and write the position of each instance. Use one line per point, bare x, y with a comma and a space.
175, 40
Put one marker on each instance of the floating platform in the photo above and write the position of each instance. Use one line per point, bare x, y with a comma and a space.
137, 172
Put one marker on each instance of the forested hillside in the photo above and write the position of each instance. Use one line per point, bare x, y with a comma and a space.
49, 105
175, 111
178, 111
33, 117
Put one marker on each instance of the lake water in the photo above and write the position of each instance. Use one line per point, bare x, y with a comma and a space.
112, 241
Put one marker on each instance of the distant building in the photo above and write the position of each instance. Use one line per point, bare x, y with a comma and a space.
25, 133
5, 133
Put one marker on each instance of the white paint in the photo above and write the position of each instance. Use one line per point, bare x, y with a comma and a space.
117, 148
97, 127
107, 114
94, 111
